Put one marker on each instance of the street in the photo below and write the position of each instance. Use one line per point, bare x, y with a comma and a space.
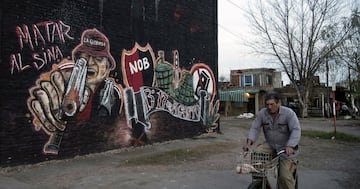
327, 164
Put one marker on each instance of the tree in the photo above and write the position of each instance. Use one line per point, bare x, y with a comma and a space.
222, 78
349, 52
295, 35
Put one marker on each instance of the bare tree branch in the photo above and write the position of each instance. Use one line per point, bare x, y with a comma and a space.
300, 34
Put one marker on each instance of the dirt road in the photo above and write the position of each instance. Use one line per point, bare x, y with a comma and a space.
207, 162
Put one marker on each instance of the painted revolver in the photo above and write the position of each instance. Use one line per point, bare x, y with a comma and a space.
74, 93
74, 100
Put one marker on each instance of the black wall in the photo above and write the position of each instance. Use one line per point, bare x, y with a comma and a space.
188, 26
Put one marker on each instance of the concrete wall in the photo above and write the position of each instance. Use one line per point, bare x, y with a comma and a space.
81, 77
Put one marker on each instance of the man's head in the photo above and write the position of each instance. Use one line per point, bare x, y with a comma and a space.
273, 102
95, 48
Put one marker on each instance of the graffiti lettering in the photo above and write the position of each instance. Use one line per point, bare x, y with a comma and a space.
150, 102
162, 99
156, 100
40, 34
182, 111
51, 31
94, 42
50, 54
16, 62
40, 59
139, 65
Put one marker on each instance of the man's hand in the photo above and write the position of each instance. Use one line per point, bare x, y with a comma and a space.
247, 145
289, 150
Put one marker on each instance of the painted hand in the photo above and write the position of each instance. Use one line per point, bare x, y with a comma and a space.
45, 103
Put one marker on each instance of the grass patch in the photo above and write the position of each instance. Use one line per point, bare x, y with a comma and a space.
181, 155
328, 135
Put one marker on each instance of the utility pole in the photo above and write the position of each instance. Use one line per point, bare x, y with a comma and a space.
350, 87
327, 89
333, 76
334, 106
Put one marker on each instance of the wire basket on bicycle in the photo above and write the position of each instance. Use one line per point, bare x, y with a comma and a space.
264, 163
260, 164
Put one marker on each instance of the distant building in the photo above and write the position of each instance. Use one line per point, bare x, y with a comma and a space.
257, 78
247, 87
245, 92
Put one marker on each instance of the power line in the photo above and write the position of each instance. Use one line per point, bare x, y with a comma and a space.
236, 5
228, 30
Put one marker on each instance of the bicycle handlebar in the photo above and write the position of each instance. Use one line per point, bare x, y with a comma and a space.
280, 152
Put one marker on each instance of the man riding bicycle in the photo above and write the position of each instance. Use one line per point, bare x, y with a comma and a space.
282, 130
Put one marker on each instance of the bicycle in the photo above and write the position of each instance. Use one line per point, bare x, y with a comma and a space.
260, 166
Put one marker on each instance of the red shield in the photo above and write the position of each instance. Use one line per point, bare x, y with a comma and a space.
138, 67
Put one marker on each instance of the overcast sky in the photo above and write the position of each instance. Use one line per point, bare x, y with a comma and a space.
233, 29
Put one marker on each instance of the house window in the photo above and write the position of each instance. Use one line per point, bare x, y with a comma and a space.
268, 80
247, 80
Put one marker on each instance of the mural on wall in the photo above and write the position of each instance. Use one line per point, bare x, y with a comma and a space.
173, 90
80, 77
76, 89
79, 89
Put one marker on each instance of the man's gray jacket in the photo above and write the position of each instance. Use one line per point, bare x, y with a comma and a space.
280, 132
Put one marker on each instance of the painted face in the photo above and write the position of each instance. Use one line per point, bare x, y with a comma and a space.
272, 106
98, 68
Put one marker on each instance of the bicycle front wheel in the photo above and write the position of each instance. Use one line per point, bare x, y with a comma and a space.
257, 184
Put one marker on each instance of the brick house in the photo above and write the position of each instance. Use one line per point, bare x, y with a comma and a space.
247, 87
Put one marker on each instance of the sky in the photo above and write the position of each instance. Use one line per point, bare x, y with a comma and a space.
233, 28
